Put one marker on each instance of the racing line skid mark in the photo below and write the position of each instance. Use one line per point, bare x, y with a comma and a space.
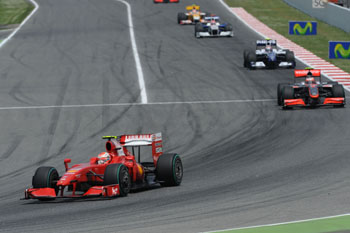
138, 104
301, 54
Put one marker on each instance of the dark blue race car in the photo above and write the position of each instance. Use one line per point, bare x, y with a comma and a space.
267, 55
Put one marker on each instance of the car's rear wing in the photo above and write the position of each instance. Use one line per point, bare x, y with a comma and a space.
134, 140
212, 18
266, 42
305, 73
188, 8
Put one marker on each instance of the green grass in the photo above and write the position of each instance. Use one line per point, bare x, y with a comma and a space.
14, 11
316, 226
276, 14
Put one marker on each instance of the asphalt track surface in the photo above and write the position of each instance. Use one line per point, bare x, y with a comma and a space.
245, 163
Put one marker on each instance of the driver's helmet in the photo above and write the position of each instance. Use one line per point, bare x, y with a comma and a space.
268, 47
213, 21
103, 158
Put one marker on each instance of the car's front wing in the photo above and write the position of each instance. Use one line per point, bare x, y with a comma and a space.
221, 34
326, 101
49, 193
261, 64
166, 1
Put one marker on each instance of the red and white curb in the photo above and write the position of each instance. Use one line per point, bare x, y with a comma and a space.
328, 70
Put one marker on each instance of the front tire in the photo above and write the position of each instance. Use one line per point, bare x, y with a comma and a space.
118, 174
169, 170
251, 57
197, 29
45, 177
280, 87
181, 16
287, 93
338, 92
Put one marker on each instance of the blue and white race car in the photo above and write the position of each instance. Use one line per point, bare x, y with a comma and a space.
267, 55
213, 28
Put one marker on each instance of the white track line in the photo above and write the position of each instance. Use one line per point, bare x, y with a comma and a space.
136, 104
36, 7
283, 223
142, 85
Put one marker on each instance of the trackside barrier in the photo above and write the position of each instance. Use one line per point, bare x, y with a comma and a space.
330, 13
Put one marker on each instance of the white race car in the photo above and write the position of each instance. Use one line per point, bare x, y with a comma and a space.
213, 28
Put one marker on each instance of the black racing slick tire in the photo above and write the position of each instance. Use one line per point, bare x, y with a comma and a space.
198, 28
245, 57
338, 91
181, 16
169, 170
290, 58
288, 92
280, 87
118, 174
251, 57
245, 53
45, 177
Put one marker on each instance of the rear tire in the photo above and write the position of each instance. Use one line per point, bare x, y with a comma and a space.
169, 170
118, 174
45, 177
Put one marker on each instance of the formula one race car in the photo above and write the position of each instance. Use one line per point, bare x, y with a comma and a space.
213, 28
193, 15
267, 55
113, 173
309, 90
166, 1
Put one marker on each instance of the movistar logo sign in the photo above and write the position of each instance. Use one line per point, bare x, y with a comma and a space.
302, 28
339, 49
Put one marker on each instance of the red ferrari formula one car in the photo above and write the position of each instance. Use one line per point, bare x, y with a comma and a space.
113, 173
166, 1
309, 90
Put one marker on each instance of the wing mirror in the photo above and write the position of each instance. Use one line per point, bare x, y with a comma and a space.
66, 161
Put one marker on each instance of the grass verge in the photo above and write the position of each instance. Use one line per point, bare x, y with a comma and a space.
14, 11
276, 14
338, 224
